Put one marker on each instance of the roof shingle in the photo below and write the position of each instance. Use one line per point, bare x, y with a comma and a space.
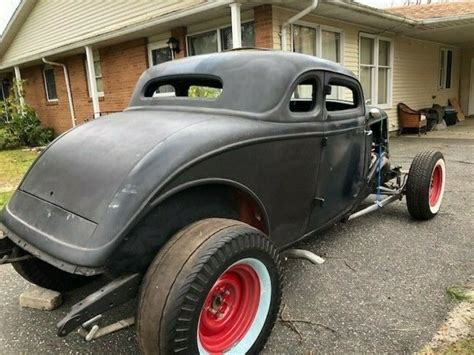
440, 10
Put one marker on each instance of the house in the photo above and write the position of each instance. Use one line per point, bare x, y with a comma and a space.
81, 59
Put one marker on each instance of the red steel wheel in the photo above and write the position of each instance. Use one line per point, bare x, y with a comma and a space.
231, 307
425, 185
214, 288
436, 185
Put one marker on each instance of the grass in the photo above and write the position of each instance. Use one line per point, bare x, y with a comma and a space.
13, 165
460, 293
4, 197
465, 346
460, 346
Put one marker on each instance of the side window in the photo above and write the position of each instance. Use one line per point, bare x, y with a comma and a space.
341, 96
50, 83
304, 96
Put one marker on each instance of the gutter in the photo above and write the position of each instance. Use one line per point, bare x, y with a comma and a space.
447, 20
286, 24
68, 88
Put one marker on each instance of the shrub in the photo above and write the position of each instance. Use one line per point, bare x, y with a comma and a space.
7, 140
22, 126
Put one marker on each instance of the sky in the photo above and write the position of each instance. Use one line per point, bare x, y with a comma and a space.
7, 7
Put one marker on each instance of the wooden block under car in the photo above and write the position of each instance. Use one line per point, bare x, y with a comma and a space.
41, 298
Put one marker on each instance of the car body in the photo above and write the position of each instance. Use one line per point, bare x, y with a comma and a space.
219, 163
91, 186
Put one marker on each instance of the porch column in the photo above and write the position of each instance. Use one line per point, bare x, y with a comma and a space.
236, 25
18, 86
92, 82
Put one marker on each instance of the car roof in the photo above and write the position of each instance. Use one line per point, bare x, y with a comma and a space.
260, 58
254, 80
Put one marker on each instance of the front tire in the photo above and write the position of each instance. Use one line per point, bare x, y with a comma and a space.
425, 185
214, 287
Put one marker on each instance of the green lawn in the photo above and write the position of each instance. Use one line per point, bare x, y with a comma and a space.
13, 165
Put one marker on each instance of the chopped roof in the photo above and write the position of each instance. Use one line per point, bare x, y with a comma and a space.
431, 11
253, 80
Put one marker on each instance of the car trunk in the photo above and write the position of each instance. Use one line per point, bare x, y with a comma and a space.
82, 171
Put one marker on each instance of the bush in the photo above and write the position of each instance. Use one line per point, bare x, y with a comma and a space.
7, 140
23, 126
26, 127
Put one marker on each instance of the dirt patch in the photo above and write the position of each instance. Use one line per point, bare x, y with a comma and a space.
456, 335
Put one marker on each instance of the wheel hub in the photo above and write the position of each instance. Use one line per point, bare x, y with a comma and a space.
229, 309
436, 185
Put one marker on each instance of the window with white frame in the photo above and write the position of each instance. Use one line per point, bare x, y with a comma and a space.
220, 39
445, 68
50, 83
331, 45
304, 40
318, 41
98, 75
375, 69
321, 42
158, 52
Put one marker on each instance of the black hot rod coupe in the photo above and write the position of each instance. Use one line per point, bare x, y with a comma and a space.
187, 197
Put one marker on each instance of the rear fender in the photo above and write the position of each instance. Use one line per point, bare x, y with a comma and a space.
178, 208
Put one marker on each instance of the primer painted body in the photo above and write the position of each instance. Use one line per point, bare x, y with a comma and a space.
92, 185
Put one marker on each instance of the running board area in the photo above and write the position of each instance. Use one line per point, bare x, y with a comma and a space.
375, 206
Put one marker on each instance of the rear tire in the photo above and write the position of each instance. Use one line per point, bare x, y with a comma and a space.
425, 185
214, 287
47, 276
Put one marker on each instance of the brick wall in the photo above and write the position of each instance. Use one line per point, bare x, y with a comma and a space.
122, 65
263, 26
52, 114
180, 34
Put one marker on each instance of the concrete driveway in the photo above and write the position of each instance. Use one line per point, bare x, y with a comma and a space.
381, 289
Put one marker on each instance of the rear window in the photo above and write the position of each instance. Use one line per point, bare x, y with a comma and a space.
193, 87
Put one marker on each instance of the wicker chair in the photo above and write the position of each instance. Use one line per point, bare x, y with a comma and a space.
411, 119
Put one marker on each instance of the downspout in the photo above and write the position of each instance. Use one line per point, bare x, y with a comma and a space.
68, 88
286, 24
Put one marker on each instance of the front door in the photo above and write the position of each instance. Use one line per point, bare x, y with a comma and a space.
471, 91
343, 155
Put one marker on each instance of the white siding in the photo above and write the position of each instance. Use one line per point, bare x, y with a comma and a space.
416, 74
415, 66
55, 23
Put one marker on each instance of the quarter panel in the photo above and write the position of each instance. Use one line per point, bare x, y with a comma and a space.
281, 172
